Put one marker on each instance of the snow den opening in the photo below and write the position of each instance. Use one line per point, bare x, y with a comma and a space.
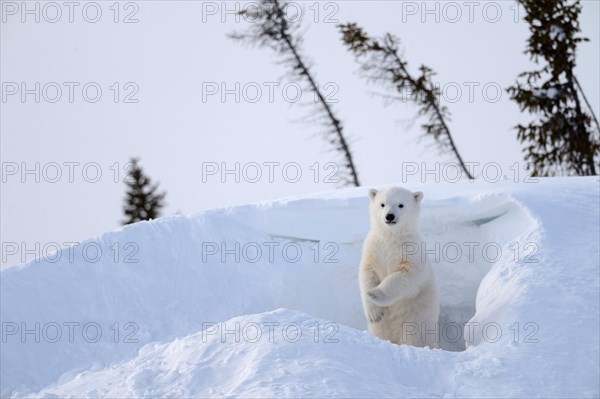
466, 239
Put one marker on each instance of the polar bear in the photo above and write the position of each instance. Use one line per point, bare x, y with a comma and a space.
397, 285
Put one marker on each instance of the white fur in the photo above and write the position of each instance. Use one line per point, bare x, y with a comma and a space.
397, 284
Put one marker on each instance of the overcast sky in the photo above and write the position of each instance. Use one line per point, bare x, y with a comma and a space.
162, 81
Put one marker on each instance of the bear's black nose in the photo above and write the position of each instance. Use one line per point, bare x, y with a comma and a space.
389, 217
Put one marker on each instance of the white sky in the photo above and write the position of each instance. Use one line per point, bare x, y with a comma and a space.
178, 49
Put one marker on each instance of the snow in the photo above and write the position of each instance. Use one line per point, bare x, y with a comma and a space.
203, 323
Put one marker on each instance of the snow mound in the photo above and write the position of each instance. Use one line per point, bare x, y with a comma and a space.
141, 310
301, 357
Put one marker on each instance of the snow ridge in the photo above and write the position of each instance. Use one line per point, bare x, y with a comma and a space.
295, 323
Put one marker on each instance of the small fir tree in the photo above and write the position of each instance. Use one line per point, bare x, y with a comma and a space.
143, 201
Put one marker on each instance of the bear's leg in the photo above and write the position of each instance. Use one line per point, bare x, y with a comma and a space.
395, 287
368, 280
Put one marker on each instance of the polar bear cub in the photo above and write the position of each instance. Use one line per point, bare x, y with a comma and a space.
397, 284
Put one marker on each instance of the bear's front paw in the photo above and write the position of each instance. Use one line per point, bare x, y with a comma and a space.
378, 297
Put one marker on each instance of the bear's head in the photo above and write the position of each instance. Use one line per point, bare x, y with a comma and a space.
395, 210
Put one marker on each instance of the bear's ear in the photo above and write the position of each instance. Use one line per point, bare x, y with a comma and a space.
418, 196
372, 193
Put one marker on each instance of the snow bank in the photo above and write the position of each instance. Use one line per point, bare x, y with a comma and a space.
162, 292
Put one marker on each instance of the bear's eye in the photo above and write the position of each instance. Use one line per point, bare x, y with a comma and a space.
382, 205
400, 206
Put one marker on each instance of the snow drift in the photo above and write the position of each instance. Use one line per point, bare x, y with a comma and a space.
262, 300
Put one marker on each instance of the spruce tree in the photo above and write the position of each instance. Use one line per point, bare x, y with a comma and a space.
561, 140
143, 201
272, 28
382, 63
